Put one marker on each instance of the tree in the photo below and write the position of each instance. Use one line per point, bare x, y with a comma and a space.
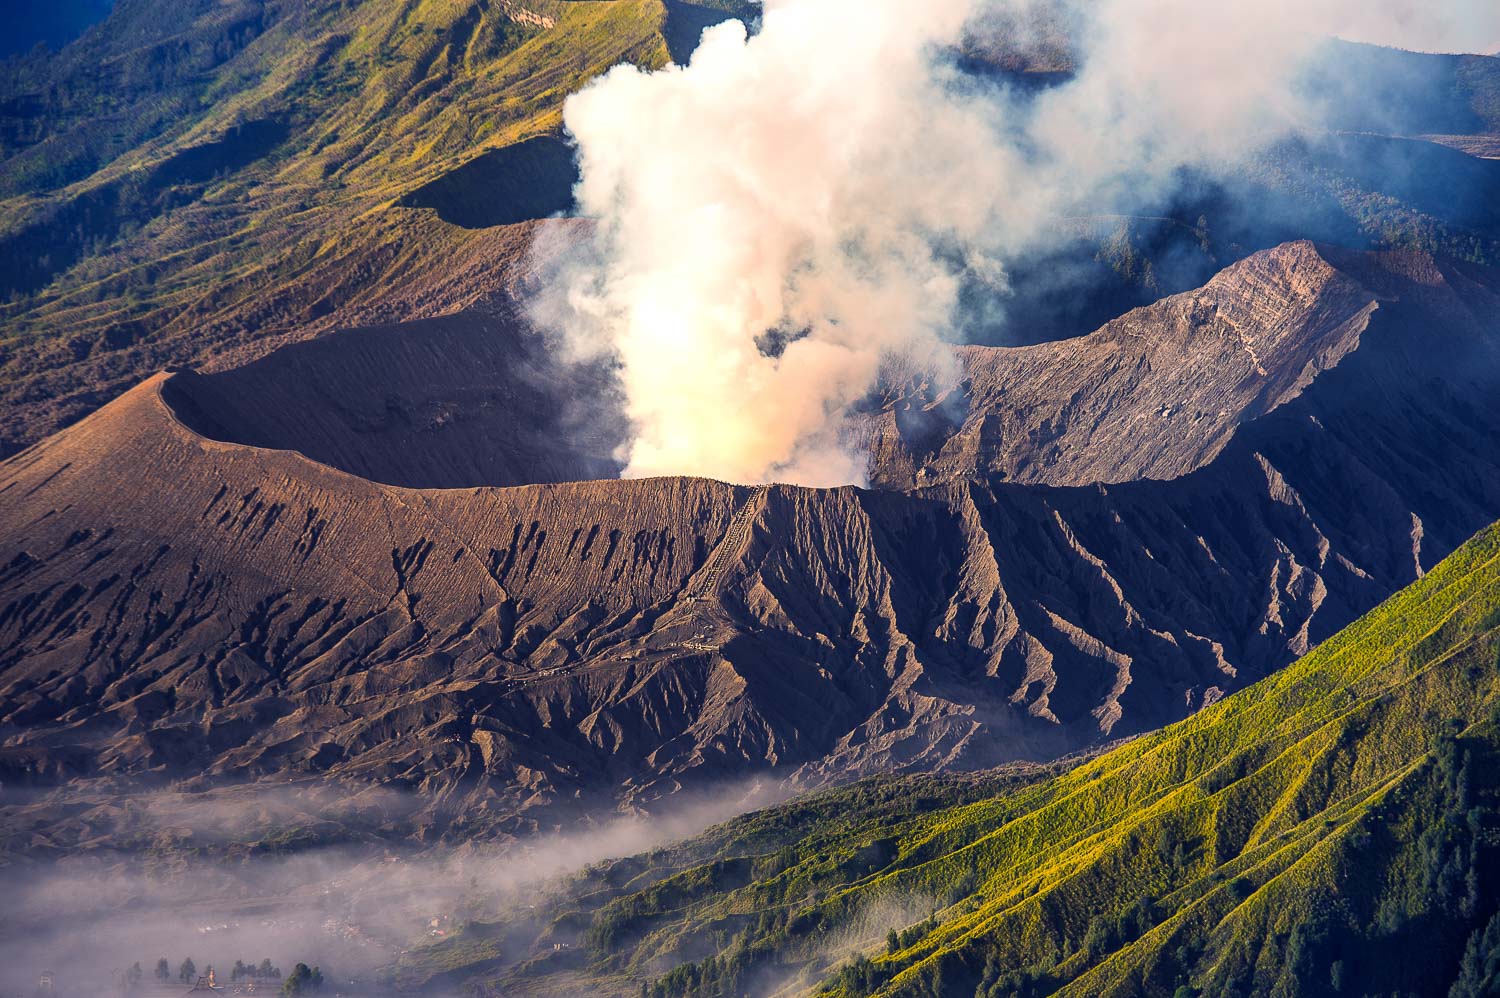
133, 976
163, 970
1479, 972
302, 980
1099, 939
188, 972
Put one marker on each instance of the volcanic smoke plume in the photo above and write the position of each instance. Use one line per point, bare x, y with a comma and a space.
797, 205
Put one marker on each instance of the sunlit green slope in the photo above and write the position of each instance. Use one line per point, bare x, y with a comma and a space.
1331, 830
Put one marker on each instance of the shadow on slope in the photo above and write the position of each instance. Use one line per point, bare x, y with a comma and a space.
529, 180
686, 23
451, 402
52, 23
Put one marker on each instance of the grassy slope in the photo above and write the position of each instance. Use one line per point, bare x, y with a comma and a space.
192, 175
1334, 824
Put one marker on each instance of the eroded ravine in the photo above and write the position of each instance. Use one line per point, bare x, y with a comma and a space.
528, 647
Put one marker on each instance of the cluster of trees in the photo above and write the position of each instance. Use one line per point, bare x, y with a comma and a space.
895, 941
862, 977
129, 981
1431, 926
1107, 933
729, 973
303, 980
187, 973
257, 972
715, 977
1479, 973
1028, 982
627, 917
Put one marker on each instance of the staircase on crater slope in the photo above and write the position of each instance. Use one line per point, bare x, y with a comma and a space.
734, 540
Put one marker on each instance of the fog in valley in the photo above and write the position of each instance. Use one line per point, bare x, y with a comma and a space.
326, 876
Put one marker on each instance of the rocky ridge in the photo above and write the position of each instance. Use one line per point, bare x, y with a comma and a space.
528, 648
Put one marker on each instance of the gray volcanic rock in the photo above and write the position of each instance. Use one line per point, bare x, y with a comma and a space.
177, 606
1154, 394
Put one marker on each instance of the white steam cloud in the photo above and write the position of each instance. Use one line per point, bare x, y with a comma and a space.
796, 206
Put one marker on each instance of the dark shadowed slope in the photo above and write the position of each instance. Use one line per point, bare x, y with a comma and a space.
176, 605
529, 180
460, 400
49, 23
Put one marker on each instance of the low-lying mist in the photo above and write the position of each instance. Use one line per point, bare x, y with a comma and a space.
324, 875
856, 181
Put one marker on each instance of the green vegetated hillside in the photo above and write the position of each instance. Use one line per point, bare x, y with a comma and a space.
1334, 829
194, 175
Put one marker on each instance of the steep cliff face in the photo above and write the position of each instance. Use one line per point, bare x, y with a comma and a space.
178, 605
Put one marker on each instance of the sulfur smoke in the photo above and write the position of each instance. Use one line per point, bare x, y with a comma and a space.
797, 206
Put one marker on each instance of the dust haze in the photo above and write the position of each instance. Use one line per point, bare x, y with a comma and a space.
798, 205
